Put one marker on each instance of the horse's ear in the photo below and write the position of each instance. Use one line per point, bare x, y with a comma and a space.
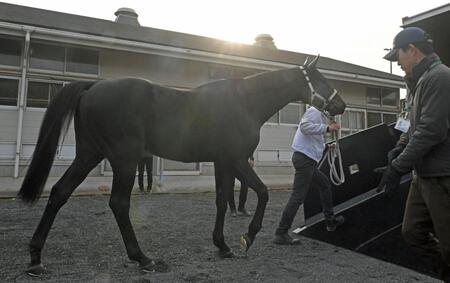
306, 61
314, 62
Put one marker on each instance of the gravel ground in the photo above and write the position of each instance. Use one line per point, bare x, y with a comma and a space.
85, 245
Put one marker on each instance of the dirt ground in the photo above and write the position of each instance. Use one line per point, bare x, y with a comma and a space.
85, 245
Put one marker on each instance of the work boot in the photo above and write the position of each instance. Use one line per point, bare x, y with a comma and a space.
285, 239
233, 213
243, 212
334, 222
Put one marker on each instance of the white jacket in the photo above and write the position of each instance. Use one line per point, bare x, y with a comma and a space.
310, 137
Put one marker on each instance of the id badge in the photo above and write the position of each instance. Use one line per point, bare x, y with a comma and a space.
402, 124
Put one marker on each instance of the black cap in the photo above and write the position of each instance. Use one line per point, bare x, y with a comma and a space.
407, 36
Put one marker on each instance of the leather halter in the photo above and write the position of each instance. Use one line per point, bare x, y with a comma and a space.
315, 94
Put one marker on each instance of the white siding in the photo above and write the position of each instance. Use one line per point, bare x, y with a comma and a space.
8, 125
32, 120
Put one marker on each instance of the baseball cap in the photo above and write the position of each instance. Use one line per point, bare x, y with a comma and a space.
407, 36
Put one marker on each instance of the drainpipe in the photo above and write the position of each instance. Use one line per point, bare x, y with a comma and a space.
22, 102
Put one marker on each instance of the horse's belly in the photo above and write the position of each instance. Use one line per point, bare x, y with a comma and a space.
184, 152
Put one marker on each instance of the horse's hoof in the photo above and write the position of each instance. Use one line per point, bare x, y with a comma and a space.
149, 267
158, 266
36, 270
226, 254
245, 242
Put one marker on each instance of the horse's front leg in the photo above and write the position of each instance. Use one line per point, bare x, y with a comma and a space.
224, 184
245, 173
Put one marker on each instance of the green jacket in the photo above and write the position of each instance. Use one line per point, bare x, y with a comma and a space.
427, 143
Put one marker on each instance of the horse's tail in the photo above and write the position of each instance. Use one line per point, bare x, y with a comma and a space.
58, 116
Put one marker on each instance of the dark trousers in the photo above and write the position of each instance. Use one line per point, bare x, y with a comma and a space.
426, 223
242, 197
307, 175
148, 163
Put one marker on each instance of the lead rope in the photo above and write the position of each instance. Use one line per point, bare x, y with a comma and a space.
333, 154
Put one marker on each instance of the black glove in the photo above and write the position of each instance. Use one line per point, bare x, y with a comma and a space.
390, 181
393, 153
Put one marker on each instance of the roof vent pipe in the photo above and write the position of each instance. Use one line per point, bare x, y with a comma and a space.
264, 40
127, 16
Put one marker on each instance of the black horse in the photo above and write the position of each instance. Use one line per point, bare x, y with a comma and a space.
120, 119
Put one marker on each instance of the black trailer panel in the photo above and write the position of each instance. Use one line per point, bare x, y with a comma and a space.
361, 154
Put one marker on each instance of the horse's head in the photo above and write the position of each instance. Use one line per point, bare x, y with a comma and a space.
323, 96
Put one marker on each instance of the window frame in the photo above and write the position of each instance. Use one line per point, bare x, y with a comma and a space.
46, 71
365, 111
10, 67
397, 98
2, 107
381, 115
64, 71
353, 130
49, 81
84, 74
380, 93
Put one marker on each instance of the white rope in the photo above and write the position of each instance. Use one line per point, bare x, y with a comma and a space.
337, 178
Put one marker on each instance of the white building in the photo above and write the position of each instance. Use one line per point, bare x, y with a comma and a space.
42, 49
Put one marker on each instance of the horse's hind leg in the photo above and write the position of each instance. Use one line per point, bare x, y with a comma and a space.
123, 180
59, 195
245, 173
224, 183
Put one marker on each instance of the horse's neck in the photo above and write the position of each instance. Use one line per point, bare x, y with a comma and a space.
271, 91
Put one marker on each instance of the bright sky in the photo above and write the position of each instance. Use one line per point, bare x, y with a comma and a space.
354, 31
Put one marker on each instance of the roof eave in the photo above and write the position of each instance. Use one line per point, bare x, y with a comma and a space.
407, 21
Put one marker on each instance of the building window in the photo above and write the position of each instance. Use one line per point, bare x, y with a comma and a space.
40, 94
290, 114
10, 52
375, 118
389, 97
82, 61
352, 121
64, 59
47, 57
373, 96
9, 89
389, 118
382, 96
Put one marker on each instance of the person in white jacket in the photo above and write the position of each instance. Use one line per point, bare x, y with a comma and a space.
308, 145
